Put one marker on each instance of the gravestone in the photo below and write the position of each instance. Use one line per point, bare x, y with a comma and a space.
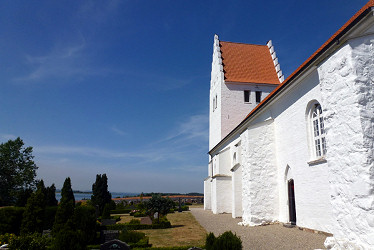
114, 244
108, 235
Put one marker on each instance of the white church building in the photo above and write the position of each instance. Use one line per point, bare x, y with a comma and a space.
298, 150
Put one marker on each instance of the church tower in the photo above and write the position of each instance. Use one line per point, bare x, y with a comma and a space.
242, 76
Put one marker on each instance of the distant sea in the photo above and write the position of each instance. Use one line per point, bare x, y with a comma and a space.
87, 196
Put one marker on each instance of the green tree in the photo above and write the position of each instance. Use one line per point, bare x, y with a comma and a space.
159, 204
17, 170
85, 223
34, 214
50, 196
65, 210
100, 194
22, 196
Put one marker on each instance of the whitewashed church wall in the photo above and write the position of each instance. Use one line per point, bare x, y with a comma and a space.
237, 208
222, 195
259, 175
225, 162
207, 194
234, 109
347, 79
217, 79
311, 183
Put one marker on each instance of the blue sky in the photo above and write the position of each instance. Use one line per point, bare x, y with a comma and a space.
122, 87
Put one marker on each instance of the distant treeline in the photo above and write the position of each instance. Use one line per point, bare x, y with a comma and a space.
168, 194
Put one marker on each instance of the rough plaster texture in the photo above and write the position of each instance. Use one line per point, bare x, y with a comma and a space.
237, 208
347, 79
294, 151
208, 193
259, 175
221, 194
217, 78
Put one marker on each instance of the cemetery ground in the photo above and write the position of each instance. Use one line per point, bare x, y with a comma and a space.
185, 231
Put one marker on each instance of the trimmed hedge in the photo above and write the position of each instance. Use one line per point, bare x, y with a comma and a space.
127, 226
120, 211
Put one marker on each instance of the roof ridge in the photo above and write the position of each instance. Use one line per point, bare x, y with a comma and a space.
243, 43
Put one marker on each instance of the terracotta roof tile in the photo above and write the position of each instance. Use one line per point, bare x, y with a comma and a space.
248, 63
313, 57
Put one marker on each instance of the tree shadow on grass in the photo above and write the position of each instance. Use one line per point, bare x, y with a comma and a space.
173, 226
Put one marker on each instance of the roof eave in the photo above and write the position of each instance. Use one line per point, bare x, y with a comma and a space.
291, 78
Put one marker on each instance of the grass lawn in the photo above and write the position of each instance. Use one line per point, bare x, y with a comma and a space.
185, 231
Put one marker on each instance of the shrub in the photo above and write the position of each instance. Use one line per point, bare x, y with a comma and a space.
120, 211
11, 219
185, 208
131, 236
6, 238
85, 222
226, 241
134, 222
140, 214
209, 241
30, 242
67, 238
116, 217
162, 222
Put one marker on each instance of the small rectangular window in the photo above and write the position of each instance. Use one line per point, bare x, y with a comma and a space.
258, 96
246, 95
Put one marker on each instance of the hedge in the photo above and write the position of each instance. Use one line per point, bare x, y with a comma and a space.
124, 226
120, 211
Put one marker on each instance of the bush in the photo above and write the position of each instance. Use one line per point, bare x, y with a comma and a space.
131, 236
11, 219
162, 222
209, 241
116, 217
30, 242
226, 241
6, 238
185, 208
67, 238
134, 222
85, 222
140, 214
120, 211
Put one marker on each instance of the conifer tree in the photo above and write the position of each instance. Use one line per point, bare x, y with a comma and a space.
65, 210
100, 194
34, 214
50, 196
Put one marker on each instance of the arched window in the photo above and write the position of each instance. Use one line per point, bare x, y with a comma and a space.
318, 130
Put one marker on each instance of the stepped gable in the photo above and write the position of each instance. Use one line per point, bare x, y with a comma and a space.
248, 63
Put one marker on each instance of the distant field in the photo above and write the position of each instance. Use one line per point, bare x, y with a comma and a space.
186, 231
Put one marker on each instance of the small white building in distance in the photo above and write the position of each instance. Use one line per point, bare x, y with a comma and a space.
298, 150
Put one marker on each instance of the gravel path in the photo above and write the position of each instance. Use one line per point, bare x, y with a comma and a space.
261, 237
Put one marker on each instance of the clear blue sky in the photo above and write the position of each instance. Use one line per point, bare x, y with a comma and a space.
122, 87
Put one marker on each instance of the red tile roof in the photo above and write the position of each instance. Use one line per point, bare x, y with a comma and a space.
332, 40
248, 63
352, 21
